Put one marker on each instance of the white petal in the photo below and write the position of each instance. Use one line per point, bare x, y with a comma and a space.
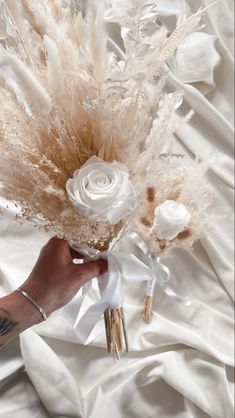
171, 218
102, 191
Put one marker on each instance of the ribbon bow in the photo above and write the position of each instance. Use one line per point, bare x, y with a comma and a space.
129, 259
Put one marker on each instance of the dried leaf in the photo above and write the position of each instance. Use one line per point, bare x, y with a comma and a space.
127, 34
142, 50
132, 12
148, 12
149, 28
116, 91
117, 76
120, 12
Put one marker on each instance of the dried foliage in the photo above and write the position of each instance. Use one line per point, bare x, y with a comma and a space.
65, 96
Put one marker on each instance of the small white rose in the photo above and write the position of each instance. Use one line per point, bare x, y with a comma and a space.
171, 218
102, 191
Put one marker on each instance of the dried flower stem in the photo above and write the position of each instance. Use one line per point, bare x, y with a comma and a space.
148, 308
116, 333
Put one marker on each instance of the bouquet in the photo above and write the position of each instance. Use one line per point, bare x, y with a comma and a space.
87, 144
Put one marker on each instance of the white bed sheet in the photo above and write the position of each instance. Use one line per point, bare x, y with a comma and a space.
180, 365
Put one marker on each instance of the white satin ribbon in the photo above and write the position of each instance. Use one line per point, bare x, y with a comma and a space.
129, 259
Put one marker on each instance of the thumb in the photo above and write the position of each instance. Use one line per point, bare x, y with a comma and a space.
90, 270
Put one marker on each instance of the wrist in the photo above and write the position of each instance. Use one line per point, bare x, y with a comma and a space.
39, 294
22, 311
33, 302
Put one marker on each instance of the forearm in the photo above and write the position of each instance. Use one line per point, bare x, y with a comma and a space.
16, 315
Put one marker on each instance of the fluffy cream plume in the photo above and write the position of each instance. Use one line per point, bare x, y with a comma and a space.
25, 86
65, 96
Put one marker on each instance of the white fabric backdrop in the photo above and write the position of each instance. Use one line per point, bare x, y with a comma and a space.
180, 365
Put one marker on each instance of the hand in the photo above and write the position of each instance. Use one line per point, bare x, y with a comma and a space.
55, 279
53, 282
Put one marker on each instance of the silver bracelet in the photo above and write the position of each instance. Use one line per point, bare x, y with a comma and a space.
34, 303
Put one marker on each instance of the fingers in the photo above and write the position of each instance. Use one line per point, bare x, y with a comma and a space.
60, 245
90, 270
55, 244
58, 248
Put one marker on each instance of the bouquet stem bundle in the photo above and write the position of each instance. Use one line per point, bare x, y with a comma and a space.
116, 335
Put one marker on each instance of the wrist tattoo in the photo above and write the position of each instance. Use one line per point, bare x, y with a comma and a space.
6, 323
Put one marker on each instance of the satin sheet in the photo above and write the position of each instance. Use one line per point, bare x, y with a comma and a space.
180, 365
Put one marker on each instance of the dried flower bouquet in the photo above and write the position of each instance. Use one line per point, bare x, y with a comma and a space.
87, 138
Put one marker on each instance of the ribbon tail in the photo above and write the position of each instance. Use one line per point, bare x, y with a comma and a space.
162, 273
86, 325
74, 309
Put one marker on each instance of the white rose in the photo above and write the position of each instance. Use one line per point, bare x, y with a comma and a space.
171, 218
102, 191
